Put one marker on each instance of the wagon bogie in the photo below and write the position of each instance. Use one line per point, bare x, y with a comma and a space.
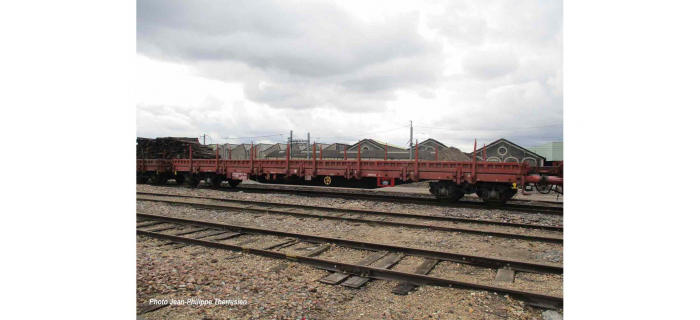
233, 183
192, 180
446, 191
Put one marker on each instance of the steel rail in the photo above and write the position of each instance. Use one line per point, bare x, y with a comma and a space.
507, 235
544, 300
440, 255
371, 212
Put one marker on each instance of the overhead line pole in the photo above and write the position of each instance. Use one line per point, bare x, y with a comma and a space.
410, 149
291, 142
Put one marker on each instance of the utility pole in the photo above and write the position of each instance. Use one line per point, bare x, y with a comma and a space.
410, 141
291, 143
308, 145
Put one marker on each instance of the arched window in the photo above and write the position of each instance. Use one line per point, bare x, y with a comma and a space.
531, 161
365, 148
511, 159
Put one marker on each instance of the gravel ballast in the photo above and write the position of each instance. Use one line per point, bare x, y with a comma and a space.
277, 289
479, 245
331, 212
280, 289
473, 213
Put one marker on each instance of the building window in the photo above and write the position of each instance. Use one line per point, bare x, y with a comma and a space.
531, 161
502, 150
365, 148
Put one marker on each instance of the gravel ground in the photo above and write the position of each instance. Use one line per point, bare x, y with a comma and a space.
535, 197
474, 213
479, 245
420, 184
541, 283
276, 289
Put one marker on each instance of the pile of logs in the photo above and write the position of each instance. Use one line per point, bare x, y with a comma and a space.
172, 148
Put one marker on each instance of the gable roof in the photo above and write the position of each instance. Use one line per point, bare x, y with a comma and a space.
282, 146
262, 146
259, 147
508, 142
434, 141
377, 143
213, 146
337, 143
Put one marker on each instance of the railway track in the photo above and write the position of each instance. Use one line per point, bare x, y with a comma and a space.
357, 215
421, 198
210, 234
408, 199
550, 210
520, 202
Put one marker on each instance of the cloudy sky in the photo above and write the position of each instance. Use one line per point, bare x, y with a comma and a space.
243, 71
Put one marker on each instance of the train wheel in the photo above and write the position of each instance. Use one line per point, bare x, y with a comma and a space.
456, 195
496, 195
215, 181
158, 179
192, 180
446, 191
179, 179
327, 180
233, 183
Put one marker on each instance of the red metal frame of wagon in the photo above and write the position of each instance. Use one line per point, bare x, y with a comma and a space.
492, 181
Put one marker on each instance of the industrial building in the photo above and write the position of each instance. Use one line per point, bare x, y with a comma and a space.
371, 144
503, 150
430, 145
552, 151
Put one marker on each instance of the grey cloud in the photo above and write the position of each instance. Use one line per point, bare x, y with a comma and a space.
512, 66
213, 117
319, 45
460, 23
528, 21
524, 21
512, 107
315, 67
487, 64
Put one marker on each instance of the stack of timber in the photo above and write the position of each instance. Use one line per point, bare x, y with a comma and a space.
172, 148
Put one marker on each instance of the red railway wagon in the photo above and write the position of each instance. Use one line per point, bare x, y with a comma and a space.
494, 182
